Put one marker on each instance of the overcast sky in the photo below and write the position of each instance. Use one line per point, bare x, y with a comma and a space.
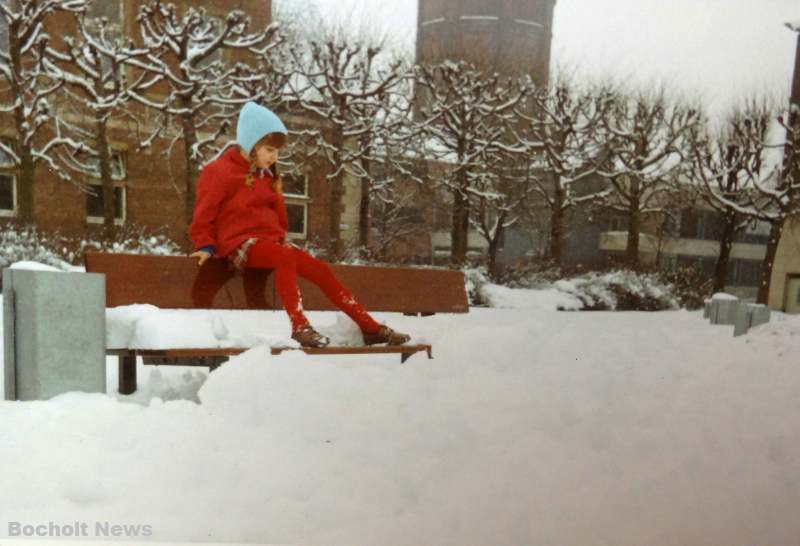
716, 49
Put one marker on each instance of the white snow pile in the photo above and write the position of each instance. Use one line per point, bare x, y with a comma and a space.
522, 298
148, 327
617, 290
529, 426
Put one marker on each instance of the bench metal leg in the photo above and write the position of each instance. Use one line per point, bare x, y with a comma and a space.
127, 374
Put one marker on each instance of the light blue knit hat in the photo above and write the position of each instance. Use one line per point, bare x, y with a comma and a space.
254, 123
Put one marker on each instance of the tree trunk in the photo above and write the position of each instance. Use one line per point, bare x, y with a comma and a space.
363, 216
492, 266
192, 167
769, 260
632, 247
725, 245
460, 228
494, 247
25, 199
106, 178
26, 167
458, 235
335, 242
634, 229
557, 225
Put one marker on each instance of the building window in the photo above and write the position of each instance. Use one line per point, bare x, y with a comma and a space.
95, 203
295, 192
8, 180
94, 197
746, 273
8, 194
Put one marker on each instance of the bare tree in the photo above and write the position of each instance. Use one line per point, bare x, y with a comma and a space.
466, 117
93, 66
646, 142
30, 87
562, 132
346, 84
186, 56
725, 164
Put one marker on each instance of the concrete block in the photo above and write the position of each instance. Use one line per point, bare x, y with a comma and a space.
760, 314
742, 323
723, 310
54, 326
713, 311
8, 336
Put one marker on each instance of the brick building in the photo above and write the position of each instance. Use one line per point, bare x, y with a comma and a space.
149, 192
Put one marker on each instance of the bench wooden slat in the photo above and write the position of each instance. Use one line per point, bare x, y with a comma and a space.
213, 358
233, 351
175, 282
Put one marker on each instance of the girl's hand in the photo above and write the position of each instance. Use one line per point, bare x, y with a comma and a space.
201, 256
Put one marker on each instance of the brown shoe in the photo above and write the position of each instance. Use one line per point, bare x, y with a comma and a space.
308, 337
385, 335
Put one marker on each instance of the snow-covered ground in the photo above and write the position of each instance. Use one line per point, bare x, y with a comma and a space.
529, 426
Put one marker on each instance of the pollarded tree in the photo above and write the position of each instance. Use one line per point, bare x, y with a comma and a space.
646, 141
466, 118
726, 165
186, 60
563, 131
93, 66
344, 84
30, 87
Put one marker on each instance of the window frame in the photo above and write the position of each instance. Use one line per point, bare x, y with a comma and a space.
119, 182
97, 185
298, 199
11, 213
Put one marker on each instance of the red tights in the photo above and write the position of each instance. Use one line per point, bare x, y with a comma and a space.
288, 262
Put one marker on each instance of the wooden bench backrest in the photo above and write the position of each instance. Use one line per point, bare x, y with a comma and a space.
175, 282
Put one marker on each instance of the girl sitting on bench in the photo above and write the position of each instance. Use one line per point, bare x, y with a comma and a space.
240, 215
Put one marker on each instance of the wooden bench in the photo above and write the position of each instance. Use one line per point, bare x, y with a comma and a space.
175, 282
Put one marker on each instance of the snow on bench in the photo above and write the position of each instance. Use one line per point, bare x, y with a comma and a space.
138, 286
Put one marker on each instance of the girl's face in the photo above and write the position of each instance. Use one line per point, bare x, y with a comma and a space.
265, 156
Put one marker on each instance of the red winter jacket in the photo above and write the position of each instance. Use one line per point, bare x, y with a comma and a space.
227, 212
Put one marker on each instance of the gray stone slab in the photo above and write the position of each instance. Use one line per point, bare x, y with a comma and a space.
8, 337
57, 332
725, 311
742, 323
760, 315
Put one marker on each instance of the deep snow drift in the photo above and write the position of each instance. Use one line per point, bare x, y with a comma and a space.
529, 426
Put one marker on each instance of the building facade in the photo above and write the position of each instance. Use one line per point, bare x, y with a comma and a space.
149, 193
507, 36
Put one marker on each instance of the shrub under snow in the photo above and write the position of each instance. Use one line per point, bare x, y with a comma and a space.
621, 291
26, 243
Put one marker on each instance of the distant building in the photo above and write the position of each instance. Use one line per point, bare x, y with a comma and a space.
507, 36
784, 291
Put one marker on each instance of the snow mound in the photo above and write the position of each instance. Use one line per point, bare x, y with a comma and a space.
548, 299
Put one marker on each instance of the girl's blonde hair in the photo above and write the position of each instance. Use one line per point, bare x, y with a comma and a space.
278, 141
